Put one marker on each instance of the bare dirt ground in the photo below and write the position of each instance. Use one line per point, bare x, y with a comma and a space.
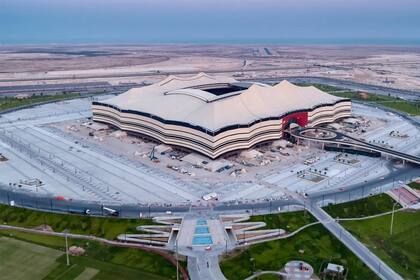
379, 65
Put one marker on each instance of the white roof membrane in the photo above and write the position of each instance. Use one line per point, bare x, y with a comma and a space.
174, 98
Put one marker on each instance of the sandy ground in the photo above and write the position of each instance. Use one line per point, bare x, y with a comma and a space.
387, 66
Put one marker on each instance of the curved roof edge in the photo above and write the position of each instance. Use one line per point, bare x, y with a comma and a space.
221, 129
171, 78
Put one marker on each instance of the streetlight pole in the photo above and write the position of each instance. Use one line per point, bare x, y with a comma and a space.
392, 219
177, 265
67, 249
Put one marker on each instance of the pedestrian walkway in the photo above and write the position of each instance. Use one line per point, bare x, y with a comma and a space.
361, 251
202, 231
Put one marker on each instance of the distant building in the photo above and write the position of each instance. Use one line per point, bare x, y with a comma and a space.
216, 115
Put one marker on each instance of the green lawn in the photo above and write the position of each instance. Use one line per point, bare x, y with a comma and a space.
108, 228
323, 87
289, 221
22, 260
109, 262
415, 185
11, 102
318, 246
401, 250
410, 107
368, 206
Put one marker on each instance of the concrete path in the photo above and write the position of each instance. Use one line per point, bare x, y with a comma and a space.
270, 272
361, 251
203, 259
205, 267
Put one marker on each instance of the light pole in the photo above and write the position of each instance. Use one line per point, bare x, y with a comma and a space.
392, 219
67, 248
177, 265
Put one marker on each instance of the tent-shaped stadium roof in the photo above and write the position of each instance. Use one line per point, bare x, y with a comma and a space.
188, 100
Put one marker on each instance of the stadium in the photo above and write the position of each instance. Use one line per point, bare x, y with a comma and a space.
217, 115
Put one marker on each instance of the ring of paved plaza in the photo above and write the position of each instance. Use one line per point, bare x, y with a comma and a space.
56, 151
115, 155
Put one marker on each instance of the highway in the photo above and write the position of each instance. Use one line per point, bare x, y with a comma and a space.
343, 139
82, 88
346, 84
148, 74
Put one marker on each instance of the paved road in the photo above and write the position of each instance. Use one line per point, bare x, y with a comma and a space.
408, 94
149, 73
342, 139
205, 267
337, 195
52, 89
361, 251
341, 193
267, 272
351, 85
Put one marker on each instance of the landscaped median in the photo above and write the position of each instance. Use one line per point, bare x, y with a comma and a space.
11, 103
372, 205
409, 107
314, 245
109, 258
108, 228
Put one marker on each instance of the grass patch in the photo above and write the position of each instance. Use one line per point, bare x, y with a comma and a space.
11, 102
22, 260
409, 107
368, 206
111, 262
414, 185
323, 87
412, 108
318, 245
107, 228
289, 221
401, 251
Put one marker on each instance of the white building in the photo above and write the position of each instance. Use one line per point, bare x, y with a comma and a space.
216, 115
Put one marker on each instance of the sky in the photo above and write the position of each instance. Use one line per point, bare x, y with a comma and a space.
210, 21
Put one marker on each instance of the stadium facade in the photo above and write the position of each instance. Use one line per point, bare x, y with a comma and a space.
217, 115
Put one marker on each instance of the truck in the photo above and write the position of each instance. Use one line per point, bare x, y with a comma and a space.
110, 211
79, 211
210, 196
